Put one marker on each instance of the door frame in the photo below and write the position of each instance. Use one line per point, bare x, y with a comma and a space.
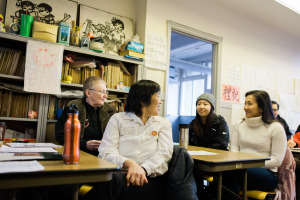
216, 41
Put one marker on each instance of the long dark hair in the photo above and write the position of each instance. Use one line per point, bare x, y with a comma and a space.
198, 123
264, 102
140, 92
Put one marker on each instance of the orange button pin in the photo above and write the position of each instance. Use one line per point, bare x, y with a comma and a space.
154, 133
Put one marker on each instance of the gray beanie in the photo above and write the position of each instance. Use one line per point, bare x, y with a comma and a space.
207, 97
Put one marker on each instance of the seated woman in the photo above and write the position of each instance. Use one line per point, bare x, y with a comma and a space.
208, 129
260, 134
141, 143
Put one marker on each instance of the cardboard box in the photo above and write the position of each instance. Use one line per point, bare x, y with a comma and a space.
44, 31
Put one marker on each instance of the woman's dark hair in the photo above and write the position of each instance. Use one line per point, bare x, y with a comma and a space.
264, 102
198, 123
140, 92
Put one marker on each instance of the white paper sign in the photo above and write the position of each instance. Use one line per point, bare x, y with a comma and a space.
234, 75
156, 51
43, 67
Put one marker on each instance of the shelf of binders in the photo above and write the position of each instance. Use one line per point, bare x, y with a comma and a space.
12, 67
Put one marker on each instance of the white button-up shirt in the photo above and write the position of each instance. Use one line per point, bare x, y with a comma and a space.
150, 145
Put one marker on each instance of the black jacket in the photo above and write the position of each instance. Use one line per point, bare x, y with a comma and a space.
181, 184
298, 129
285, 126
105, 112
217, 138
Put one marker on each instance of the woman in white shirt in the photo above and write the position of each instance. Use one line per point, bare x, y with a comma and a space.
260, 134
141, 143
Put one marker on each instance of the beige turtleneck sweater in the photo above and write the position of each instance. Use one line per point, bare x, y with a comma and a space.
253, 136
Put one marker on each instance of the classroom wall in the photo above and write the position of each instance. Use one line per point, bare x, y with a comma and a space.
259, 34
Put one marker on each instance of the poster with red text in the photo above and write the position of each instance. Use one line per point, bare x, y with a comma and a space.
230, 93
43, 67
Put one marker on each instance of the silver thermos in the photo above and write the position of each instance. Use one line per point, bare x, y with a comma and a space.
184, 135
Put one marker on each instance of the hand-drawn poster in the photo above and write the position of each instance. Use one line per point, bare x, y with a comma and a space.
230, 93
109, 29
49, 12
156, 51
43, 67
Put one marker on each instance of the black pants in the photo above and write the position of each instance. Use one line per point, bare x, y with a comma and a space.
116, 189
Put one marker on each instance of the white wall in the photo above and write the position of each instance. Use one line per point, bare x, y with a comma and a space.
262, 34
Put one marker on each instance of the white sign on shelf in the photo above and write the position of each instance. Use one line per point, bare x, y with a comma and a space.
43, 67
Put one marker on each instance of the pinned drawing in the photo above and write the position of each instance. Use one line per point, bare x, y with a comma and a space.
50, 12
113, 30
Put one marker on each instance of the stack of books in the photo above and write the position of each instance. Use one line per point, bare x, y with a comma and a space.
133, 50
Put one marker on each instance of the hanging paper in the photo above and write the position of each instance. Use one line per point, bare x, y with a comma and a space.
230, 93
43, 67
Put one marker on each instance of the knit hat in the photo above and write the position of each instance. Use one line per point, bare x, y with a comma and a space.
207, 97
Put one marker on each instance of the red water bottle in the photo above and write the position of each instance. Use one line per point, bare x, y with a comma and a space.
72, 134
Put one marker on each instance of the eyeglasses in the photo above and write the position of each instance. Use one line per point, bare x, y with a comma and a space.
103, 92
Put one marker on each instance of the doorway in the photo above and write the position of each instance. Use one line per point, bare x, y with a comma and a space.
192, 71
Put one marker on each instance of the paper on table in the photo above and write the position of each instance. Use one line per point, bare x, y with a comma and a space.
33, 145
24, 166
12, 156
196, 153
5, 149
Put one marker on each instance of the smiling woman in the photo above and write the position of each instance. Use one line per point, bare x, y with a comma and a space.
260, 134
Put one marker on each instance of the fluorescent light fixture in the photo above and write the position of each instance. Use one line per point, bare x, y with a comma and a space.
291, 4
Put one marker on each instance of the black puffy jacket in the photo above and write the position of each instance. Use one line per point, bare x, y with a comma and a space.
181, 184
217, 137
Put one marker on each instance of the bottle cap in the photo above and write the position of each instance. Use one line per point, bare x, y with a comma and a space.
73, 109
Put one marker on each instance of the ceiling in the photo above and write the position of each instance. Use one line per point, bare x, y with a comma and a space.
190, 53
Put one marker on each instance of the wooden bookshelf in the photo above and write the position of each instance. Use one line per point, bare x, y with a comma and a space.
18, 119
17, 42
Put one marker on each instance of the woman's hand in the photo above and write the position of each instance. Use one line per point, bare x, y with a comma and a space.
93, 145
291, 144
136, 175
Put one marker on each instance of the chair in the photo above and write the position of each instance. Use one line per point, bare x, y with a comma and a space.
260, 195
286, 181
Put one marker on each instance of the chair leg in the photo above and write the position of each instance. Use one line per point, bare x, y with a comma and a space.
231, 193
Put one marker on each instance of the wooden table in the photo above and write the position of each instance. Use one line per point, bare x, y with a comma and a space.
225, 161
89, 169
296, 152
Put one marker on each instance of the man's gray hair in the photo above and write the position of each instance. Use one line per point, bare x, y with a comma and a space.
90, 82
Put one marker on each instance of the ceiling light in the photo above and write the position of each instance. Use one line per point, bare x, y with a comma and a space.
291, 4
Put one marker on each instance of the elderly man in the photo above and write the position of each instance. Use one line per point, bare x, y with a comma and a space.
94, 115
275, 107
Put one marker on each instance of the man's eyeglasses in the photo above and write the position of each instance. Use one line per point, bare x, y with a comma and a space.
101, 91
